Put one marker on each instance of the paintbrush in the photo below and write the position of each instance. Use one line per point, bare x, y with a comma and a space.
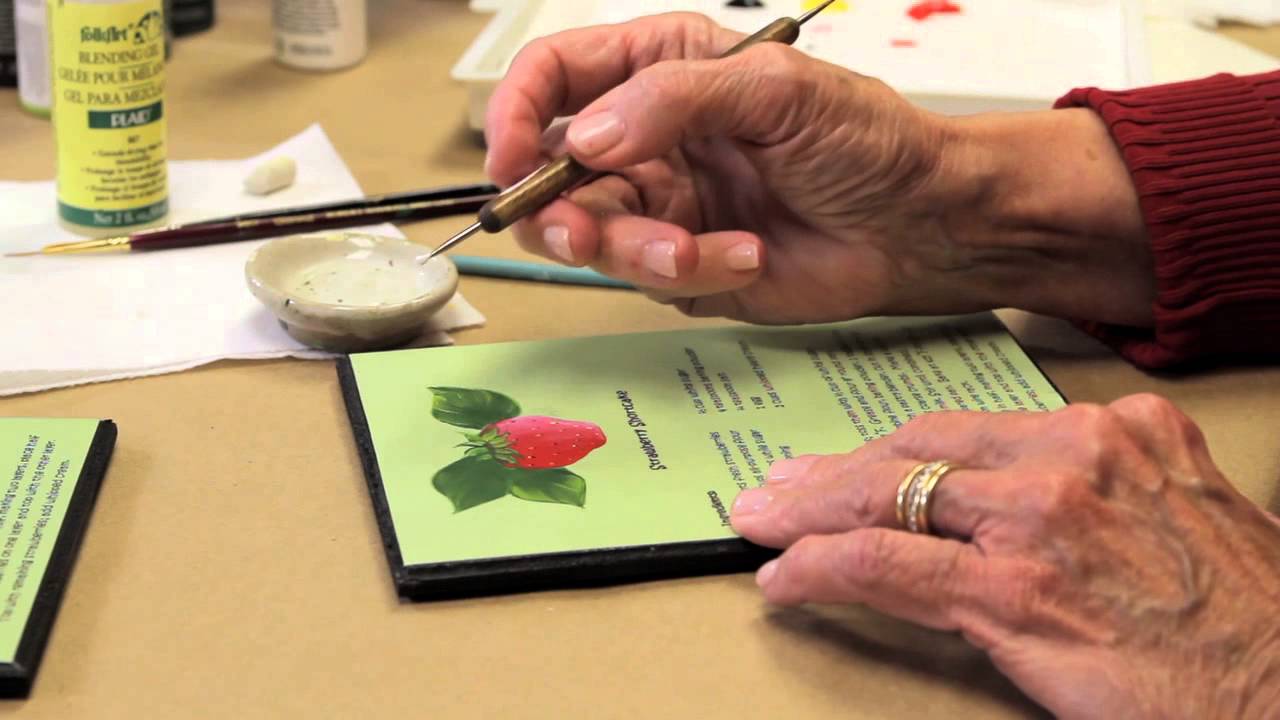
394, 207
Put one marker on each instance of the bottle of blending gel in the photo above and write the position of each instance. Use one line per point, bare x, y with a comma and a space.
108, 114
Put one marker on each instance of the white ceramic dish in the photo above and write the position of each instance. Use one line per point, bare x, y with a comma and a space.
350, 292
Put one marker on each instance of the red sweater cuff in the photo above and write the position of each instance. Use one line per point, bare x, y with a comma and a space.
1205, 159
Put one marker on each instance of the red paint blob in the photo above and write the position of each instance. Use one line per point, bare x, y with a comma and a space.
897, 42
922, 10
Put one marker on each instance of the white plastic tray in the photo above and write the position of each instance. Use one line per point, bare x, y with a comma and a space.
1000, 55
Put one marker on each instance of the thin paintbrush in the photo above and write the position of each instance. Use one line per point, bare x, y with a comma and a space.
449, 192
397, 207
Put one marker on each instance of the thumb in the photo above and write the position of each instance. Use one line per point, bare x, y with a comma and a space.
759, 96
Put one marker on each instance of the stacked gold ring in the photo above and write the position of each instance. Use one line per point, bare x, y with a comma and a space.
914, 493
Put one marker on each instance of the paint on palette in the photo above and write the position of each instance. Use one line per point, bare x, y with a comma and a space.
924, 10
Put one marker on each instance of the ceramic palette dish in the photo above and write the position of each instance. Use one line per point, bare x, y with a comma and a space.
348, 291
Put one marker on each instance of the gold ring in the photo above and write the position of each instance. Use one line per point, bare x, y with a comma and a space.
914, 493
904, 490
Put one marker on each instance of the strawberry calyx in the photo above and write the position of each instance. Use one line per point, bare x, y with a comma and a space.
490, 442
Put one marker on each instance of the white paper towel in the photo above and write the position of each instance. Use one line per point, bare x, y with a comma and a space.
69, 320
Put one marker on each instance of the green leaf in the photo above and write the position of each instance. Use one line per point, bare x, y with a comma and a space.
555, 485
469, 408
472, 481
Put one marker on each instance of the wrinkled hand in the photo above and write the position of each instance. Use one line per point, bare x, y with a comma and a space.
1095, 553
772, 187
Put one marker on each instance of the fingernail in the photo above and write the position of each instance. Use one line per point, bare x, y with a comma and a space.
595, 134
742, 257
660, 258
791, 468
556, 238
766, 572
751, 501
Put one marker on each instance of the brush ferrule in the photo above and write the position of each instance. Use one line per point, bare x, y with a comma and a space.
95, 245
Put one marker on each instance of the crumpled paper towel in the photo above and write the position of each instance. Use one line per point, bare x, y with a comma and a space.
69, 320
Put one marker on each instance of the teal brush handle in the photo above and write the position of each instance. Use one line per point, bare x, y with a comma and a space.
537, 272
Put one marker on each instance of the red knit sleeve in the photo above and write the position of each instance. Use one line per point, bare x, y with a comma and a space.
1205, 159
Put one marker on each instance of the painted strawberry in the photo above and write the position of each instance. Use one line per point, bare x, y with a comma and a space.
536, 442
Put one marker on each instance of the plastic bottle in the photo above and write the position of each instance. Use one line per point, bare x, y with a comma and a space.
34, 84
109, 114
8, 46
320, 34
190, 16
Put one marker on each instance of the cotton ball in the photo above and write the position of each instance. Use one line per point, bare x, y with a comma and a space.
274, 174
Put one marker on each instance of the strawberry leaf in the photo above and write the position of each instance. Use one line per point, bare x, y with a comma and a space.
469, 408
555, 485
472, 481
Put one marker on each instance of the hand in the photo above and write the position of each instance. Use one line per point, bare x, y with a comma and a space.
776, 188
1095, 553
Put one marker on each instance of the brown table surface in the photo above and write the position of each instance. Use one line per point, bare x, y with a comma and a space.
233, 566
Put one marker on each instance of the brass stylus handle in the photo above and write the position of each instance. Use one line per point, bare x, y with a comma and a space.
536, 190
784, 30
563, 174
